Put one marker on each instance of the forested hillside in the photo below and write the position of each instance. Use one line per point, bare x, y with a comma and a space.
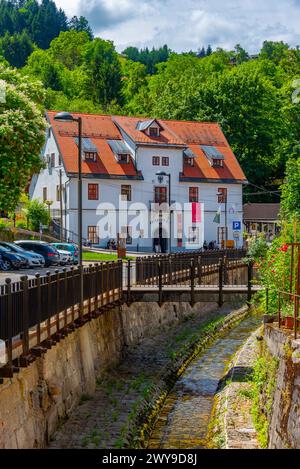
251, 97
27, 24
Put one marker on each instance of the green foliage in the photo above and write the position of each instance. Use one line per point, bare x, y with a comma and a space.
16, 48
257, 249
27, 22
274, 267
103, 72
22, 132
291, 188
67, 48
274, 51
150, 58
80, 25
37, 213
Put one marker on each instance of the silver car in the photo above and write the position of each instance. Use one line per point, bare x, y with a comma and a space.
65, 257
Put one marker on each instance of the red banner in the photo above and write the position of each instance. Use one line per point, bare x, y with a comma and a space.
196, 212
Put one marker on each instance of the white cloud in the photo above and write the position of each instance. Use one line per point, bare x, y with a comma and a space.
190, 24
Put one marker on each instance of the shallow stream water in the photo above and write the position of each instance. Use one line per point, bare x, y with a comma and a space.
184, 418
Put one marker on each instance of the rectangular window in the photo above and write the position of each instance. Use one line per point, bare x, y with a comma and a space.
217, 163
93, 235
222, 195
44, 194
90, 156
93, 191
59, 160
153, 132
188, 161
155, 160
160, 195
165, 161
126, 192
123, 158
58, 193
193, 235
52, 160
193, 194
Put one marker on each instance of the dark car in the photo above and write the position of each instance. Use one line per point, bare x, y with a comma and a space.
18, 251
48, 252
10, 260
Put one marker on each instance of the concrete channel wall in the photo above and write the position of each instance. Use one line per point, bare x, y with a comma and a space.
38, 398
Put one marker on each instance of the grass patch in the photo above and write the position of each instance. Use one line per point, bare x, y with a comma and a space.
262, 393
101, 256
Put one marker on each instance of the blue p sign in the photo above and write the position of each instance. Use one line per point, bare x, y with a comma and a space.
236, 225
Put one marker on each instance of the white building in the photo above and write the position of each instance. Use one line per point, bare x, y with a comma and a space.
120, 160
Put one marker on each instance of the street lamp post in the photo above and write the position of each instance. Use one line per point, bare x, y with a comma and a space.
163, 173
67, 117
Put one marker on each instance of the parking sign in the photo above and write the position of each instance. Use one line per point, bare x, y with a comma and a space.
236, 226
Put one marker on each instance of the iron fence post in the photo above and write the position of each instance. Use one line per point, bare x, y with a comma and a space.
221, 269
192, 282
57, 282
160, 295
128, 282
25, 332
9, 321
38, 307
250, 274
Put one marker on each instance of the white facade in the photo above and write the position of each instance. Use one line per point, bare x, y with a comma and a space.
46, 186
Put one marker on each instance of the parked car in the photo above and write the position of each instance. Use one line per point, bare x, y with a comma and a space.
3, 266
71, 248
48, 252
10, 260
33, 259
65, 257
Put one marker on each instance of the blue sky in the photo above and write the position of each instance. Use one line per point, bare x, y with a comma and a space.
190, 24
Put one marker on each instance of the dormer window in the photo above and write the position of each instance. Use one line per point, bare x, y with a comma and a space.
154, 131
89, 149
151, 127
214, 156
90, 156
217, 163
120, 150
188, 161
123, 158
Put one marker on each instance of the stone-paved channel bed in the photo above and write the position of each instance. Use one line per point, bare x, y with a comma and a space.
104, 419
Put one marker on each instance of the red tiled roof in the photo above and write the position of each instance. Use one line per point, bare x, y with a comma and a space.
166, 136
183, 134
98, 129
206, 133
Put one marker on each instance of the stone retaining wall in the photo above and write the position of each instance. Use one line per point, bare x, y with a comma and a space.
35, 400
285, 421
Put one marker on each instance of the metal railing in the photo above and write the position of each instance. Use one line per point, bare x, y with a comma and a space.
36, 313
176, 268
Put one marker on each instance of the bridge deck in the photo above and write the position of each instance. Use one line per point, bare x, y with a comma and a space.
197, 289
